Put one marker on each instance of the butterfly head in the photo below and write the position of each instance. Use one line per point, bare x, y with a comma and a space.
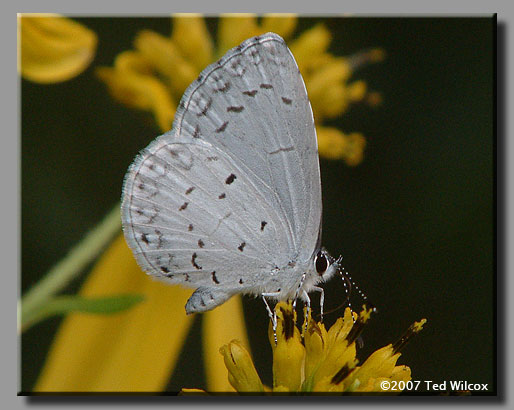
325, 265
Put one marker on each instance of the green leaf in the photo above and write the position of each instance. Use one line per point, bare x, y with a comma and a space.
61, 305
68, 268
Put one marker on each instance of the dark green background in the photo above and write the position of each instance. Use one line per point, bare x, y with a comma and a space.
414, 221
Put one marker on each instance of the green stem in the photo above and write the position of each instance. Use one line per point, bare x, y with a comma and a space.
69, 267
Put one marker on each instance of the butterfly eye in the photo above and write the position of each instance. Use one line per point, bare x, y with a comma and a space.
321, 263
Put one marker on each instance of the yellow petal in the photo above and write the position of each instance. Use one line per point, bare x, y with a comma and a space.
330, 102
311, 44
315, 339
334, 384
356, 90
340, 329
137, 90
234, 29
338, 358
380, 364
280, 23
53, 48
333, 144
135, 350
310, 66
401, 373
241, 371
355, 148
226, 322
289, 352
334, 69
191, 36
339, 361
328, 94
132, 61
167, 59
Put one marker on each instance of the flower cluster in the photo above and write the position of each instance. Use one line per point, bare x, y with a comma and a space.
154, 75
322, 361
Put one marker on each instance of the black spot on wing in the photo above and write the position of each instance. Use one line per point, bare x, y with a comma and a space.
214, 278
201, 244
144, 238
266, 86
223, 89
159, 238
222, 127
222, 196
287, 101
230, 179
193, 261
286, 149
190, 227
234, 108
196, 133
263, 224
250, 93
242, 246
183, 206
189, 190
237, 68
205, 108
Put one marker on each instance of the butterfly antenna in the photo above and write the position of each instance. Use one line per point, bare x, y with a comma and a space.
348, 284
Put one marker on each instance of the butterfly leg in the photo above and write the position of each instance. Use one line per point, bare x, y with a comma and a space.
321, 300
299, 289
308, 303
305, 296
308, 310
272, 314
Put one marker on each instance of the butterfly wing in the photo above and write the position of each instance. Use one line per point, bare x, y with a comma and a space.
233, 190
254, 106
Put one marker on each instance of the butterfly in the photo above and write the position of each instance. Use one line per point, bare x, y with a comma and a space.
229, 201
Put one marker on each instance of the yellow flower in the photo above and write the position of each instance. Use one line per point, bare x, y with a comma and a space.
241, 371
53, 48
154, 75
288, 353
323, 362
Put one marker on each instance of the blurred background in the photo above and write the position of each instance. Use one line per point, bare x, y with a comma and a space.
414, 221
